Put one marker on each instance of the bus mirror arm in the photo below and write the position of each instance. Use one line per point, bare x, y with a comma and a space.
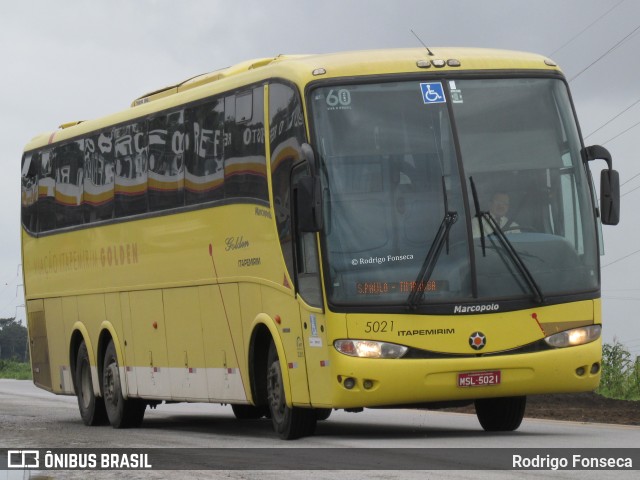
310, 157
308, 195
609, 185
308, 198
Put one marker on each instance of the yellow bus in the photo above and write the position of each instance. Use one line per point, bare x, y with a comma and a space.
402, 228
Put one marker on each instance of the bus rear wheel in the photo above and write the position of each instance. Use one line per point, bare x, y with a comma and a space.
92, 409
288, 422
122, 413
500, 414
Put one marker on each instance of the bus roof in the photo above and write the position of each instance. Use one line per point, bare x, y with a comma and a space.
302, 69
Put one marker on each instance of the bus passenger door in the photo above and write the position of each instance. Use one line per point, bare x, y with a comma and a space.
309, 295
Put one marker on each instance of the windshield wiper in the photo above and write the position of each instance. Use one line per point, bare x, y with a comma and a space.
509, 248
479, 214
507, 245
431, 259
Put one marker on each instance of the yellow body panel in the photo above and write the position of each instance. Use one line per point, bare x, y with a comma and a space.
504, 331
434, 380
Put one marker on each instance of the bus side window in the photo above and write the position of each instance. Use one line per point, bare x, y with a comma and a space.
287, 134
131, 151
46, 192
245, 167
204, 174
306, 253
69, 173
167, 148
99, 177
29, 193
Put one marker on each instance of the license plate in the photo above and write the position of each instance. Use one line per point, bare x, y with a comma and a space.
479, 379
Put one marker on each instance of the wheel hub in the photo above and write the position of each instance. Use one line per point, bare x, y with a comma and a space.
112, 384
275, 390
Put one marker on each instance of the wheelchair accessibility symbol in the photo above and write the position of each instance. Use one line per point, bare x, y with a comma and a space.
432, 92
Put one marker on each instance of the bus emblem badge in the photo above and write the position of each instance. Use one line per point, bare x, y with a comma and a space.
477, 340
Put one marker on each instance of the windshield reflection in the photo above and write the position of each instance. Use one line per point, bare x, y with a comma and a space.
390, 175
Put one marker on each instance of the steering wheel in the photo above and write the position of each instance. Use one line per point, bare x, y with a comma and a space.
518, 229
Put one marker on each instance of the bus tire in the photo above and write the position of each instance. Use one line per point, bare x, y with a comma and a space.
288, 422
249, 412
500, 414
122, 413
92, 409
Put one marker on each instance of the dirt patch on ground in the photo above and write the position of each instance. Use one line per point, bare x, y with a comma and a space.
577, 407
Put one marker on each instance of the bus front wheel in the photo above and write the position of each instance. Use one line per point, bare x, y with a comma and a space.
500, 414
288, 422
122, 413
249, 412
92, 409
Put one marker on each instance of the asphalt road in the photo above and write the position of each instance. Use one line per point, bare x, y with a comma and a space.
373, 440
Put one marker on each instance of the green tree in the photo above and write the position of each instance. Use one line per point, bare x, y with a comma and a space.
13, 340
620, 373
634, 380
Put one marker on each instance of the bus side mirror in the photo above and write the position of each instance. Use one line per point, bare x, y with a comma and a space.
308, 198
609, 197
609, 185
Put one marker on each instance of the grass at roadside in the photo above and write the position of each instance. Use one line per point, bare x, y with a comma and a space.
15, 370
620, 373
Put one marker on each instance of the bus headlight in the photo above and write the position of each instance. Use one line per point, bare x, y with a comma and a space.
576, 336
370, 349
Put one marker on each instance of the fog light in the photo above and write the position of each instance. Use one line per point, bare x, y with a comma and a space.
367, 384
595, 368
580, 371
349, 383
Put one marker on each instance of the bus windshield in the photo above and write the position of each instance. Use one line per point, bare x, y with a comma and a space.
504, 199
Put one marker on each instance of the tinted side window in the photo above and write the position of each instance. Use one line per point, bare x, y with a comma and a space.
99, 177
168, 142
69, 172
46, 191
245, 169
204, 176
286, 134
130, 143
29, 191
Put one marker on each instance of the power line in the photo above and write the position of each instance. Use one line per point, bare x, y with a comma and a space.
604, 54
621, 258
627, 193
586, 28
635, 176
613, 138
621, 133
613, 118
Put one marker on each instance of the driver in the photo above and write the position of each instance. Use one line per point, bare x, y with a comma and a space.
499, 210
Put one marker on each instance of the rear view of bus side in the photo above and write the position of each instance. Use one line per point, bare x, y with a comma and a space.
298, 234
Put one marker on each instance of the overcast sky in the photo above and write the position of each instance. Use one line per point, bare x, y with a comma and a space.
77, 59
